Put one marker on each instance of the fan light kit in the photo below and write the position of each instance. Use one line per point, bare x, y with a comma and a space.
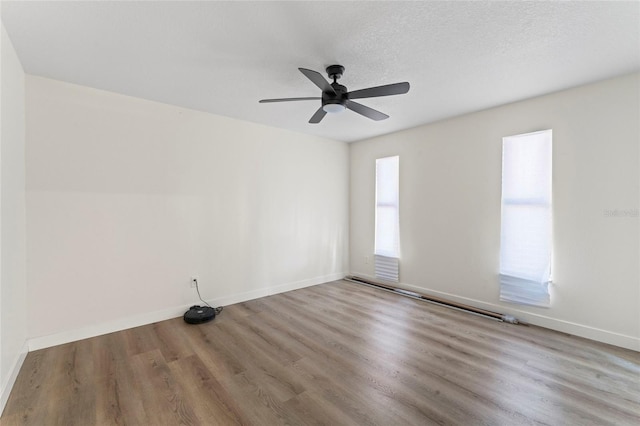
333, 108
335, 97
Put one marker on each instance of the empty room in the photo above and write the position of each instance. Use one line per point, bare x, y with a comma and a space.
339, 213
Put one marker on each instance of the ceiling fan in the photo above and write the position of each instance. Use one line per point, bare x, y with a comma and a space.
335, 97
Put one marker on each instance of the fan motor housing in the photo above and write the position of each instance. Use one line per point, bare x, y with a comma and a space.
340, 98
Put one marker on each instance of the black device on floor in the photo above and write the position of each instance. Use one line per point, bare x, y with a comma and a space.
199, 314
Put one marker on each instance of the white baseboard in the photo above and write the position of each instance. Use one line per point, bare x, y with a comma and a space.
103, 328
11, 380
268, 291
604, 336
169, 313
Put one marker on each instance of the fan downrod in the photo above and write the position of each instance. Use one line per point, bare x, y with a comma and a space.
335, 71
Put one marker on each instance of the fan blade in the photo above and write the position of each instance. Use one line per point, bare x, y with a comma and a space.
264, 101
366, 111
318, 80
318, 116
387, 90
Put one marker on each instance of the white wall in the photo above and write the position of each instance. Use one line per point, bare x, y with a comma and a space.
126, 199
13, 331
450, 177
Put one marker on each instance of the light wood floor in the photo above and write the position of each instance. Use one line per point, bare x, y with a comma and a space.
336, 354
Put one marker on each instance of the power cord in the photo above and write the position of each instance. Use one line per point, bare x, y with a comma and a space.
217, 310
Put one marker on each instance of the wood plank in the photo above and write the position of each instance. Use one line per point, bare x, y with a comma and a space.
162, 395
218, 408
117, 401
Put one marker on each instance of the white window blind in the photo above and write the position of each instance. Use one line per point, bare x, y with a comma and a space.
526, 242
387, 232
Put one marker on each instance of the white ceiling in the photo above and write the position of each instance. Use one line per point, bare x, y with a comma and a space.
222, 57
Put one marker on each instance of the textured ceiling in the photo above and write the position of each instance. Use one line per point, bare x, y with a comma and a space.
222, 57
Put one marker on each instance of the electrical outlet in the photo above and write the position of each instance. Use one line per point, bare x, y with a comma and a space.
193, 282
366, 260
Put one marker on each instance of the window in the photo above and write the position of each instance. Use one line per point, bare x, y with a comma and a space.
526, 243
387, 232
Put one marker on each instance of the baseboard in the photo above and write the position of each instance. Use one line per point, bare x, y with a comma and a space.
581, 330
11, 380
276, 289
169, 313
104, 328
